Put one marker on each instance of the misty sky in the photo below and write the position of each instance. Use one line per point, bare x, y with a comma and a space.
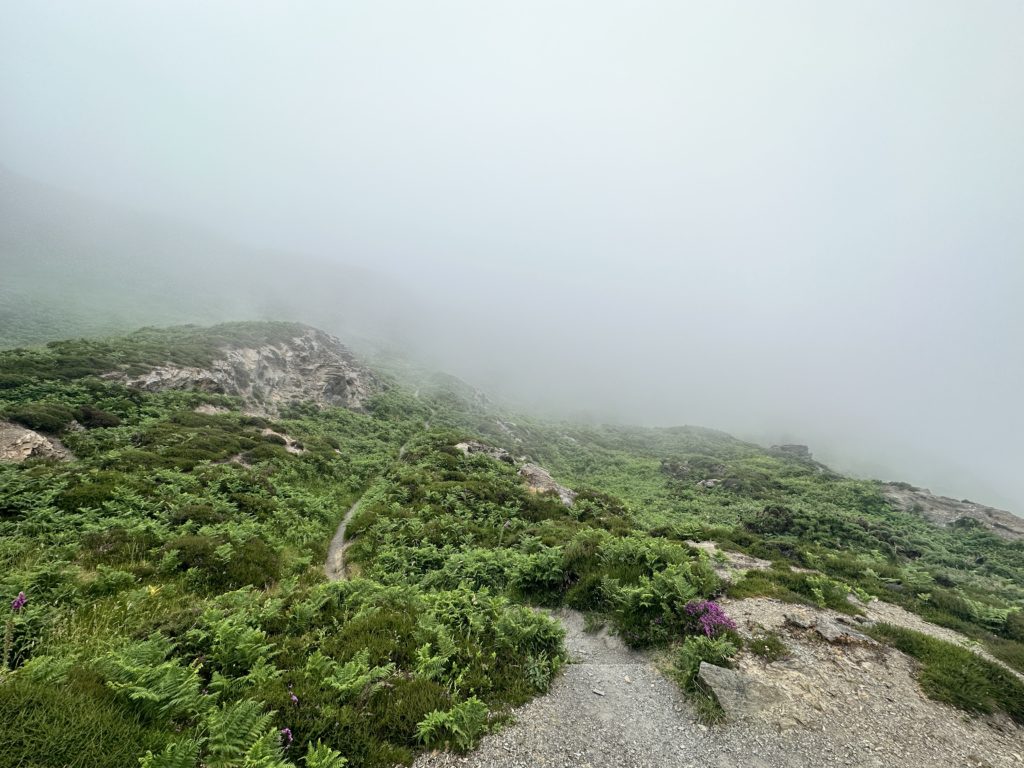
790, 220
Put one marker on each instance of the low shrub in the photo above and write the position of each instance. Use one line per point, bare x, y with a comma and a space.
698, 648
45, 417
80, 724
93, 418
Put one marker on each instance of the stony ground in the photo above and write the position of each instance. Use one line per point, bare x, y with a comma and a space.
832, 705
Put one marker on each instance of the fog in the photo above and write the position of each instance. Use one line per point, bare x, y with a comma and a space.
793, 221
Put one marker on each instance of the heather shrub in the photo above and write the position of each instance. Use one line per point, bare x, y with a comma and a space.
44, 417
76, 724
91, 417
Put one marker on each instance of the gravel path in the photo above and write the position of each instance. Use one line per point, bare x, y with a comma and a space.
610, 707
335, 565
837, 706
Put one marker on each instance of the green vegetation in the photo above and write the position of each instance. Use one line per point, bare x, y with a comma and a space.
768, 645
957, 676
839, 533
712, 650
176, 608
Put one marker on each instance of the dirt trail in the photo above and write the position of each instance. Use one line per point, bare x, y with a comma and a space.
838, 706
334, 567
610, 707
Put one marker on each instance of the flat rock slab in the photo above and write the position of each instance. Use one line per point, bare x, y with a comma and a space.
739, 695
835, 632
828, 629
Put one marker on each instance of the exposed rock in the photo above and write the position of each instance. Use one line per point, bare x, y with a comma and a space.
837, 706
539, 480
739, 695
802, 619
944, 511
473, 447
829, 629
509, 429
290, 443
729, 564
18, 443
836, 633
211, 410
699, 468
311, 367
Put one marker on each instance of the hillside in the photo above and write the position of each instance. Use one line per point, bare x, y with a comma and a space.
76, 265
629, 596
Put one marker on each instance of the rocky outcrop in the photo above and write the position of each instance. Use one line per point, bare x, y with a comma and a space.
828, 629
289, 443
730, 566
740, 695
471, 447
539, 480
18, 443
944, 511
311, 367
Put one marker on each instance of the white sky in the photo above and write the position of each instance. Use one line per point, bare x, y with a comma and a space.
797, 219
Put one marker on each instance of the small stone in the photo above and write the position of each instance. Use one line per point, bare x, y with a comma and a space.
802, 620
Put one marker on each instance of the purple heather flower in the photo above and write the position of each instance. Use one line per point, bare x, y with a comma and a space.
710, 616
19, 602
291, 694
286, 734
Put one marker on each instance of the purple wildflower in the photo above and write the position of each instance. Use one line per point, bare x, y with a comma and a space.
710, 616
286, 734
19, 602
292, 696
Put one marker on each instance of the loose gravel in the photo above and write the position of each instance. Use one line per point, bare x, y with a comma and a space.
846, 705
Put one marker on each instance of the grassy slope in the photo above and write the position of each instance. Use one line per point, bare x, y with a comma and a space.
178, 598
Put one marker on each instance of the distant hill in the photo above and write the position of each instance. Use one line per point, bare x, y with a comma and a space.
73, 266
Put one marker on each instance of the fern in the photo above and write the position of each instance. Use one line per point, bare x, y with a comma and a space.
161, 688
179, 754
346, 679
232, 729
322, 756
458, 728
235, 647
48, 669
